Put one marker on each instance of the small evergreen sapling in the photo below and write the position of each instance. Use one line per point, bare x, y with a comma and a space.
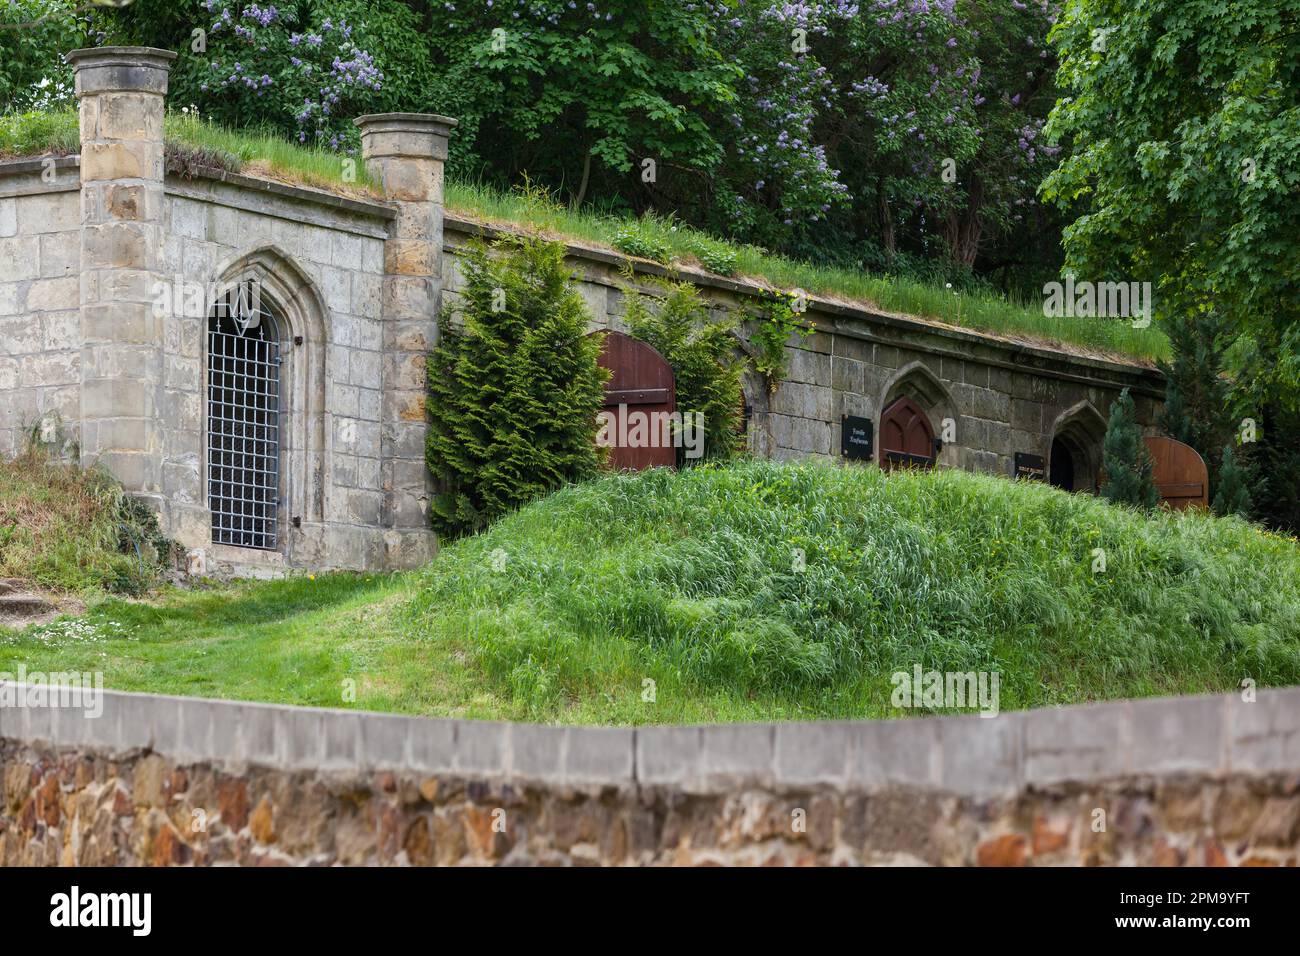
1125, 458
514, 388
1232, 496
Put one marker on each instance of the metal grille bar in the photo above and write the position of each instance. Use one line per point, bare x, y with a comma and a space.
243, 420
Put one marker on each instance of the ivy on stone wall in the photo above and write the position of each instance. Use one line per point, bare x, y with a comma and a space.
707, 367
775, 316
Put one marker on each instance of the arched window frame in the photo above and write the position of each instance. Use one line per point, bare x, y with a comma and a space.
304, 444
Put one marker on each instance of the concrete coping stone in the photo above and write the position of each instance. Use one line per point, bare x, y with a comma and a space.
967, 754
36, 164
406, 122
320, 197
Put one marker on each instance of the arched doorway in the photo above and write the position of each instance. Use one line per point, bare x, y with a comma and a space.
929, 396
1061, 474
1077, 436
244, 418
906, 436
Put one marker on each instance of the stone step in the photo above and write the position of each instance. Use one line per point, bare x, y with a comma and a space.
23, 605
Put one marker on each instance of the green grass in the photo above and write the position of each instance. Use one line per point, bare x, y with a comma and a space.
74, 530
192, 140
563, 610
897, 294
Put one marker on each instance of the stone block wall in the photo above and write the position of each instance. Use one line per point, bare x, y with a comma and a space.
327, 259
1197, 781
1003, 396
87, 242
109, 268
40, 319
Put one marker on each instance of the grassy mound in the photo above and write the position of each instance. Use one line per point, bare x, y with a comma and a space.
767, 589
73, 529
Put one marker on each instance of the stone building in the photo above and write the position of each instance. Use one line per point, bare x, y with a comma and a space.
249, 356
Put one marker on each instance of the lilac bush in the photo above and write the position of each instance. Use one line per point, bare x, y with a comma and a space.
300, 69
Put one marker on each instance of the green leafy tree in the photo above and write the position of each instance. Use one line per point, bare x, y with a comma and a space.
569, 92
1233, 494
1184, 122
1125, 458
707, 366
34, 36
1274, 460
514, 388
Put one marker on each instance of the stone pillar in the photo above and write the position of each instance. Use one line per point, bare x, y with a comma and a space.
405, 153
121, 91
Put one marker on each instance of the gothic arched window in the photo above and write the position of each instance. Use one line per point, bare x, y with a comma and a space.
244, 418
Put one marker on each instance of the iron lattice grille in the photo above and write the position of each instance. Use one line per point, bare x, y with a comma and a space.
243, 420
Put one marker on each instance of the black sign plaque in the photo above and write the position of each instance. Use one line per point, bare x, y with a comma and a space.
1030, 467
856, 437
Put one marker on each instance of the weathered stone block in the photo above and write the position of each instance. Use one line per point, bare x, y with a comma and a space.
46, 213
19, 258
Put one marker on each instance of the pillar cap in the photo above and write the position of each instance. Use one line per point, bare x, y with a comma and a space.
107, 69
417, 135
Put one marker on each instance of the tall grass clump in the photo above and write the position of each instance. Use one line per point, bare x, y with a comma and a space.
801, 588
74, 529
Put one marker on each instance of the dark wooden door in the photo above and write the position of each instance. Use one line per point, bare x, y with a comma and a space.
906, 438
1180, 474
640, 397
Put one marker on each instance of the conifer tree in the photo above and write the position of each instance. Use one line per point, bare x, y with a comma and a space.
702, 352
1232, 496
1197, 410
514, 389
1125, 458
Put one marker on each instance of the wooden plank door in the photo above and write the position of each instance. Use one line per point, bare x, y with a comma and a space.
906, 438
1180, 473
641, 384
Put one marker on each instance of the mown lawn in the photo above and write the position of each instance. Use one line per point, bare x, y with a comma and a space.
756, 591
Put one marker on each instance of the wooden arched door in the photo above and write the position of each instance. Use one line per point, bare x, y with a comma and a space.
1180, 474
640, 399
906, 438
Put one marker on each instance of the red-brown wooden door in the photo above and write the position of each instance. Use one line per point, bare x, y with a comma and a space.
641, 384
1180, 474
906, 438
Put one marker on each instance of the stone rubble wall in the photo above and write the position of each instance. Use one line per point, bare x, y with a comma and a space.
163, 780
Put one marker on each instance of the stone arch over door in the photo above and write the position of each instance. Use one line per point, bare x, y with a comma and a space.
917, 382
1074, 455
303, 340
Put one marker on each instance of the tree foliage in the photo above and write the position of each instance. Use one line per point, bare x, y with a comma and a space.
902, 137
1232, 496
34, 36
1184, 118
1125, 458
707, 365
514, 387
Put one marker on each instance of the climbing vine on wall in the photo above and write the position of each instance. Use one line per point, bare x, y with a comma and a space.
774, 317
